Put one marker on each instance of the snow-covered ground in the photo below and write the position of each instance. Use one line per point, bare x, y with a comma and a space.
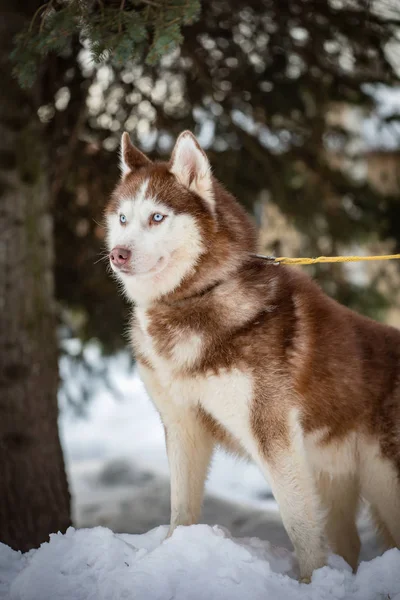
196, 563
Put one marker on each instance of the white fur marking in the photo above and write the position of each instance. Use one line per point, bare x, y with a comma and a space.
336, 458
188, 349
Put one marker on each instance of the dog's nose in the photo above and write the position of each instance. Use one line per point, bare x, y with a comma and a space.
119, 256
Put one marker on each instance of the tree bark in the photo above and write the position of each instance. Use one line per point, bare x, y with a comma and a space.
34, 496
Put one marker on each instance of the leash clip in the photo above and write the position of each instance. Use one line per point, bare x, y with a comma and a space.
270, 259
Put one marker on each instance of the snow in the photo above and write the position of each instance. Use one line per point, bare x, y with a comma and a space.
377, 133
198, 562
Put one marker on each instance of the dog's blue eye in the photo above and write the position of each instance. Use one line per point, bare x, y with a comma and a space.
157, 217
122, 219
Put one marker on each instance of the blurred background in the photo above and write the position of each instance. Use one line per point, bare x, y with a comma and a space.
297, 103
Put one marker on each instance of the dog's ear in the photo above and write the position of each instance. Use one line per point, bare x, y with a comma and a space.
191, 167
130, 157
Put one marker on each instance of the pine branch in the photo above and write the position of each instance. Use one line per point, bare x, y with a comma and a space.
115, 33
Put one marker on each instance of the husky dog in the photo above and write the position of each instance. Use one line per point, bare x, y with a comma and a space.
254, 357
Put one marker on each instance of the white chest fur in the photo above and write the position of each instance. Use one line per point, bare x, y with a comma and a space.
226, 395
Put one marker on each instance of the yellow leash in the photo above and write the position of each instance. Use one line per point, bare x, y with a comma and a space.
285, 260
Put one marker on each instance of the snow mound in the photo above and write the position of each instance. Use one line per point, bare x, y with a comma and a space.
196, 563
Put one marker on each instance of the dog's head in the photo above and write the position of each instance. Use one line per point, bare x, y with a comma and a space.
166, 220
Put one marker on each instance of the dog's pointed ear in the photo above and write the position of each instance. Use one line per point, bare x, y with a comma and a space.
191, 167
130, 157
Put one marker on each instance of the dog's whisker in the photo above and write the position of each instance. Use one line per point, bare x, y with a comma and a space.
104, 258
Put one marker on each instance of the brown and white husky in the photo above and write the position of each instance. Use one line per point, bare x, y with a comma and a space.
254, 357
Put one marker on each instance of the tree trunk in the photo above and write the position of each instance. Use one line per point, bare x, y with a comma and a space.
34, 496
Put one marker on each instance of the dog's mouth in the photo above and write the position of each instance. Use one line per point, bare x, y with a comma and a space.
156, 269
134, 271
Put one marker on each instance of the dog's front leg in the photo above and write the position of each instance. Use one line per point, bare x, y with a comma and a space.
189, 448
299, 504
